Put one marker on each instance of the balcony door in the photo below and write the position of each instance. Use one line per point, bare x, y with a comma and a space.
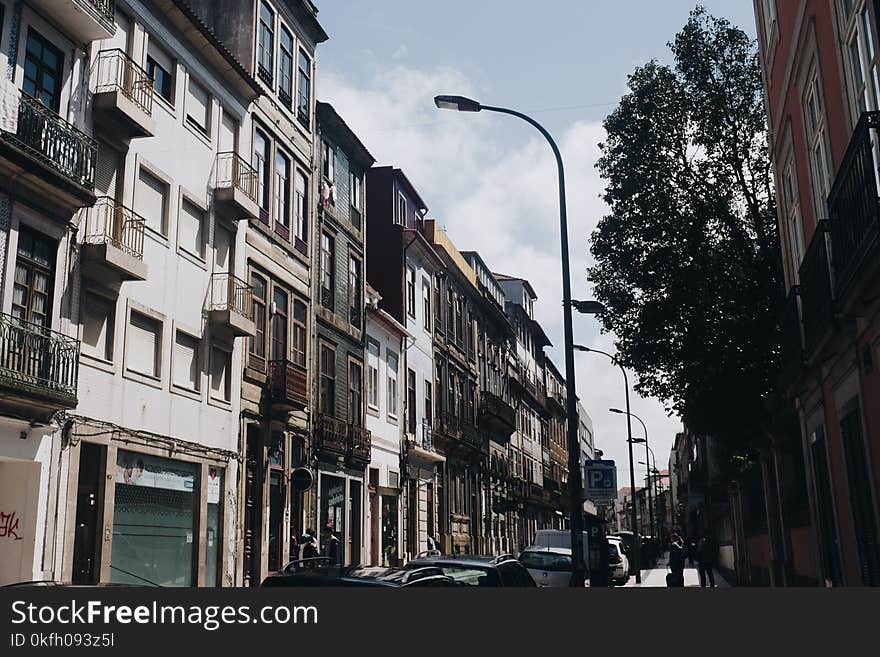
34, 278
43, 70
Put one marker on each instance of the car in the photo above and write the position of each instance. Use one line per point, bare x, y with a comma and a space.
560, 538
550, 567
627, 538
472, 570
619, 562
320, 571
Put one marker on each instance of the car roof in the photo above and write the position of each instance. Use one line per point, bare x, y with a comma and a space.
551, 550
475, 560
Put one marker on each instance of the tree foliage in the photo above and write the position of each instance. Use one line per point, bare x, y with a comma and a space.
687, 260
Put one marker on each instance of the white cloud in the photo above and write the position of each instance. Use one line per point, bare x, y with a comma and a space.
401, 52
501, 199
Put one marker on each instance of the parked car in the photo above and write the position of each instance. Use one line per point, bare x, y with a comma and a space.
550, 567
320, 571
627, 538
467, 570
618, 560
559, 538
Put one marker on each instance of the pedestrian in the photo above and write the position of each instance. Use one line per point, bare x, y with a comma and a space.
706, 561
309, 548
331, 545
692, 551
676, 561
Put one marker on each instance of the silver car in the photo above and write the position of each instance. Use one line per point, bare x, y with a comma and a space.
550, 567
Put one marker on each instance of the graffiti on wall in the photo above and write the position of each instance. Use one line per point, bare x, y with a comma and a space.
9, 524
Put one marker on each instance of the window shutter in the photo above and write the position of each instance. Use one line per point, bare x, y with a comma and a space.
143, 345
106, 170
223, 249
161, 57
219, 368
198, 104
97, 326
228, 129
151, 199
189, 232
186, 361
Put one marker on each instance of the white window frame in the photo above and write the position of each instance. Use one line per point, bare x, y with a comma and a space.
793, 219
175, 384
393, 386
373, 376
816, 130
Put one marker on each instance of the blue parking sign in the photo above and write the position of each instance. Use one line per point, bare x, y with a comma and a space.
600, 481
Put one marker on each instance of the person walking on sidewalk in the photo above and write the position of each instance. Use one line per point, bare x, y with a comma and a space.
706, 560
677, 558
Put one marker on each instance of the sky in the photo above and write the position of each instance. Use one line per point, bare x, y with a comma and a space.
489, 179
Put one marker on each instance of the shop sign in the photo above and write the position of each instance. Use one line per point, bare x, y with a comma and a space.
153, 472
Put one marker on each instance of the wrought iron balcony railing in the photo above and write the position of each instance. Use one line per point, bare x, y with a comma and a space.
287, 383
327, 299
817, 297
48, 138
109, 222
116, 71
331, 436
496, 415
360, 446
233, 172
853, 205
425, 438
35, 360
230, 293
105, 8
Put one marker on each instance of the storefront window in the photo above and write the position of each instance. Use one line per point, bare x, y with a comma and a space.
389, 531
214, 529
154, 521
333, 511
276, 515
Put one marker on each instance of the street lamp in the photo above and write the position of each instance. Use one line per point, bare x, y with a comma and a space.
650, 505
575, 483
632, 472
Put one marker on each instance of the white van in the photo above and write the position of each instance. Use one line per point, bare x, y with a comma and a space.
559, 538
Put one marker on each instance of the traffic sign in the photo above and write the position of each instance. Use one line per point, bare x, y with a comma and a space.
600, 481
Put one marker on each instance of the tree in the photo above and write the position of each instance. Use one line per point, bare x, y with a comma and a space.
687, 262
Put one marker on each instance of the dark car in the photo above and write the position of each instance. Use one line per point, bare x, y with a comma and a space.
467, 570
320, 571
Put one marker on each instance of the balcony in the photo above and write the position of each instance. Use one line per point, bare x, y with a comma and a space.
556, 403
85, 20
48, 158
287, 385
123, 99
113, 244
232, 305
497, 417
791, 340
817, 300
38, 369
360, 447
235, 186
327, 299
422, 447
551, 477
331, 438
855, 213
472, 437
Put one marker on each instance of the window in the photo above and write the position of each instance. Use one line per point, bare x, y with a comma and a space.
373, 352
450, 312
279, 324
327, 270
768, 15
299, 333
817, 144
356, 190
354, 291
302, 211
355, 393
328, 381
98, 321
221, 366
329, 163
400, 220
304, 89
43, 69
411, 410
793, 216
426, 303
392, 384
411, 291
190, 230
186, 361
429, 403
34, 284
261, 165
258, 342
151, 201
438, 305
860, 58
144, 345
282, 195
285, 68
266, 44
160, 69
198, 107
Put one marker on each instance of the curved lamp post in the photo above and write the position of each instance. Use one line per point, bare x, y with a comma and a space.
629, 441
575, 483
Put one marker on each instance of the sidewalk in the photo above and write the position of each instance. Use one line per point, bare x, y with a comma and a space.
656, 577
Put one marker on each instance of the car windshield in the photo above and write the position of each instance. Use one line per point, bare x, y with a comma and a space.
468, 576
545, 561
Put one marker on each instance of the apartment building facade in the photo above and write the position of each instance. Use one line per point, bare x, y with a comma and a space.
819, 62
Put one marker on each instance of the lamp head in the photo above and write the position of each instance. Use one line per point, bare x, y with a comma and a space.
459, 103
580, 347
617, 411
588, 307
